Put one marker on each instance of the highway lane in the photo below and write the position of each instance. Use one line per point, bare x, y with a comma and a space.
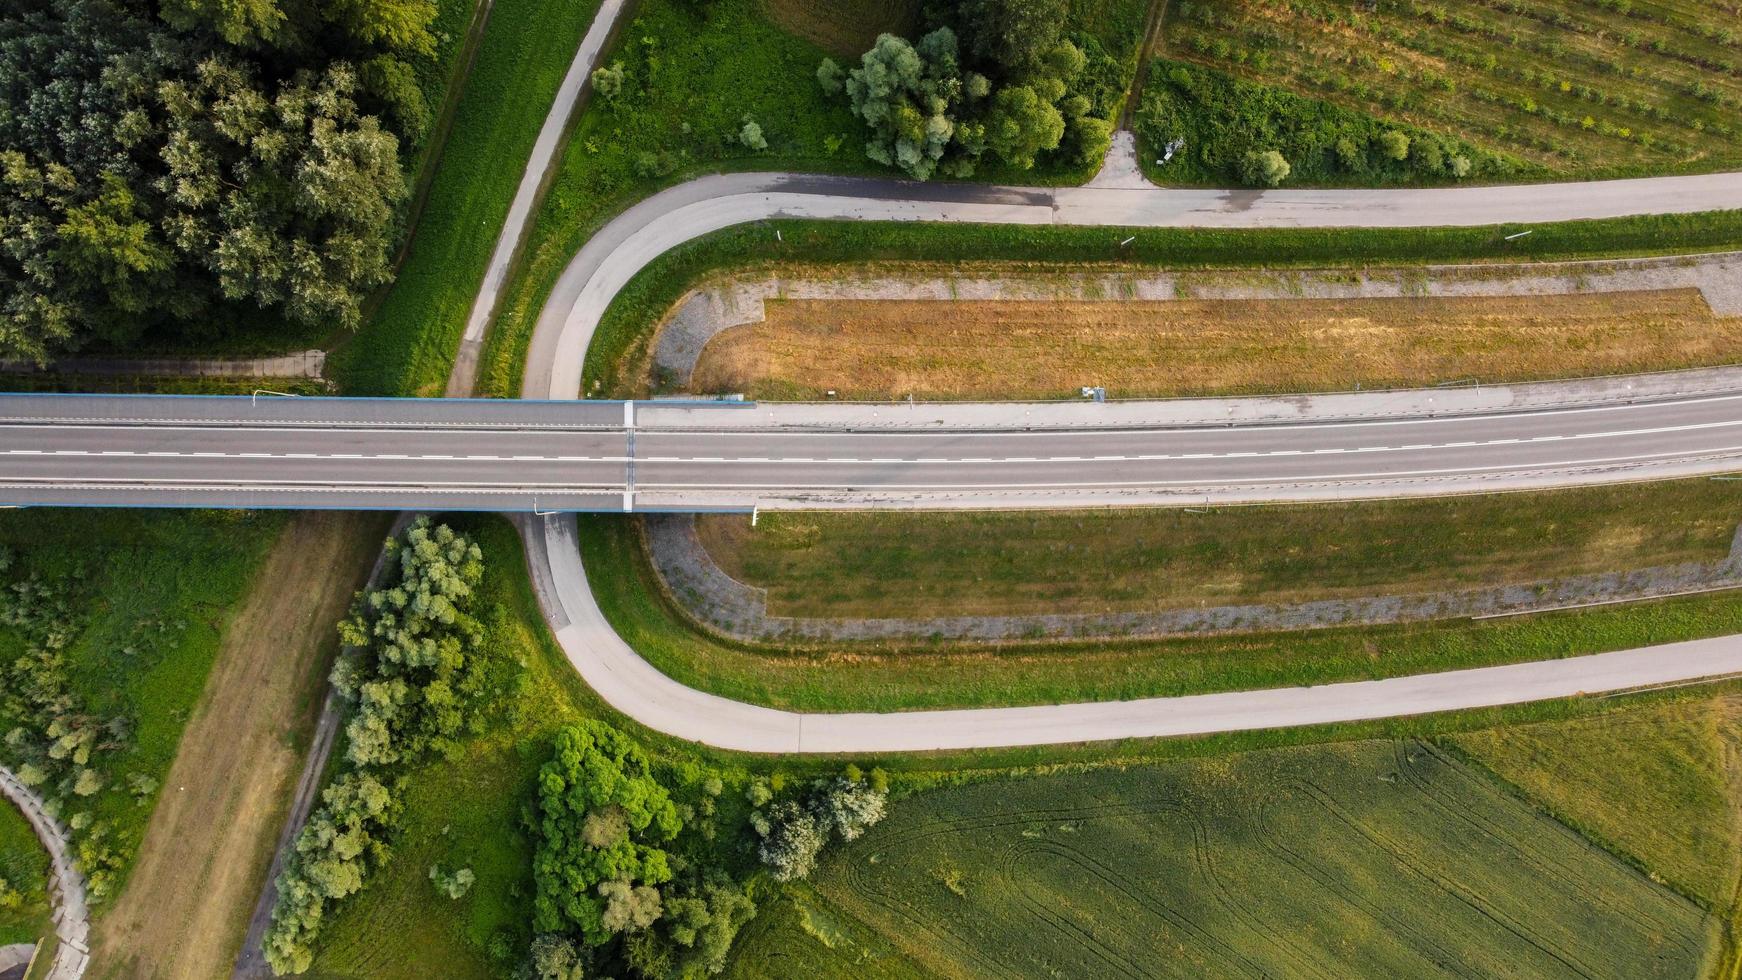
507, 455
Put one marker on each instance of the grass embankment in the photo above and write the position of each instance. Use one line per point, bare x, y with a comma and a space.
149, 596
616, 364
908, 564
1598, 88
947, 349
207, 848
857, 677
692, 77
24, 869
1370, 859
408, 345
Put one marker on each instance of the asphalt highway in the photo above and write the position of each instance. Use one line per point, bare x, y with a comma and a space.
579, 456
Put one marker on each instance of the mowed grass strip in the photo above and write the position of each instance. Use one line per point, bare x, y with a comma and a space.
950, 349
862, 677
408, 346
209, 843
1657, 784
1367, 859
918, 564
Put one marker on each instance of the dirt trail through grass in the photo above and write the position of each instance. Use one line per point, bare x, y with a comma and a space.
210, 840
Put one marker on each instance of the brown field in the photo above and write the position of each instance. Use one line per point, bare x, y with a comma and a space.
879, 349
208, 845
845, 28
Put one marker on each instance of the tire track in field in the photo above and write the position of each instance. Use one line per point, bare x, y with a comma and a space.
1568, 876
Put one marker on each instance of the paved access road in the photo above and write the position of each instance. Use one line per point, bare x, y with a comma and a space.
542, 456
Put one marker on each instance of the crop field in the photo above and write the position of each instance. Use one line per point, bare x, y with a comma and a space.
1587, 87
959, 349
844, 28
1369, 859
24, 869
1092, 561
1655, 784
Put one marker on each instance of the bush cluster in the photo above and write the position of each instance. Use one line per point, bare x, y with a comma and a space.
792, 832
413, 673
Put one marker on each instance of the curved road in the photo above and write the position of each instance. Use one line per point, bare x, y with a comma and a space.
612, 257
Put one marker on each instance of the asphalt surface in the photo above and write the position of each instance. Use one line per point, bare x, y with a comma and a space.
547, 456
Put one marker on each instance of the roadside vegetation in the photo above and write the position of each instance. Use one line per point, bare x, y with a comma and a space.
724, 86
916, 564
1596, 88
109, 623
617, 359
901, 676
184, 167
209, 843
407, 346
888, 349
24, 870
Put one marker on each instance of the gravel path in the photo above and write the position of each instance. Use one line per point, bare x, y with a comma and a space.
66, 887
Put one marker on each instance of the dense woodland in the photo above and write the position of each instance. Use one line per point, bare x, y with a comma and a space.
193, 162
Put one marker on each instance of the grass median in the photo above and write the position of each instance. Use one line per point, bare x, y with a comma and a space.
907, 564
893, 677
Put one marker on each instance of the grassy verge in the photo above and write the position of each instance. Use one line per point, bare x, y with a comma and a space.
24, 868
408, 345
906, 564
693, 75
1280, 862
145, 598
209, 843
615, 358
900, 677
1591, 89
873, 350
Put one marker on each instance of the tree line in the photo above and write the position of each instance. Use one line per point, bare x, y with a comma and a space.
180, 163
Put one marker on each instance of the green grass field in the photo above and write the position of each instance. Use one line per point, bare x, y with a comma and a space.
1596, 87
1370, 859
152, 592
24, 867
1655, 784
857, 677
615, 365
914, 564
408, 345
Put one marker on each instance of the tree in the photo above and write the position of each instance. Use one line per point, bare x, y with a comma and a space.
1021, 124
703, 923
554, 957
908, 95
589, 876
1394, 145
1265, 168
608, 81
852, 806
832, 77
1012, 36
792, 836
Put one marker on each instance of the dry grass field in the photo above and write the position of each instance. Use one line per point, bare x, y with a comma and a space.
881, 349
844, 28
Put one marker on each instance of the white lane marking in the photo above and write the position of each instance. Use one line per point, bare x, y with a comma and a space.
1723, 452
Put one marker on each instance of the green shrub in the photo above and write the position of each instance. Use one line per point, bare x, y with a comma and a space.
1394, 145
1264, 168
